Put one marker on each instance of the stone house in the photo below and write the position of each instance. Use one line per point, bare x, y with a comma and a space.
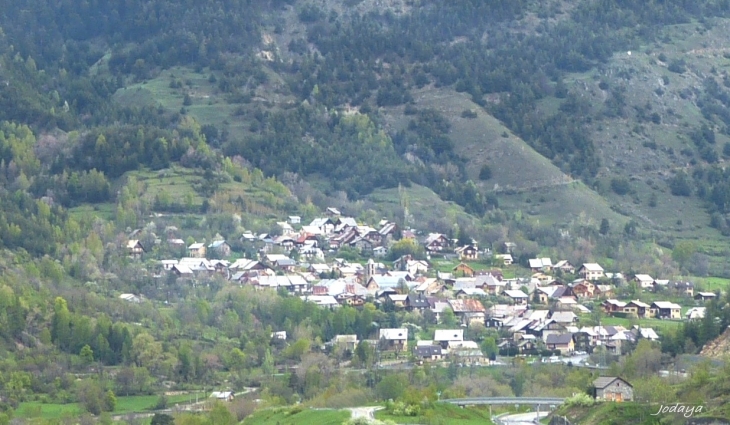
613, 388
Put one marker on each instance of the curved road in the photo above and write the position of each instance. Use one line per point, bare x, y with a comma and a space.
521, 418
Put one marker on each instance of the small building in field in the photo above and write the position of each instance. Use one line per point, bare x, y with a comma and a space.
613, 388
222, 395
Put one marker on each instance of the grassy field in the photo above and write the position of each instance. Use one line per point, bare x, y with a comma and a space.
34, 409
442, 414
296, 416
649, 323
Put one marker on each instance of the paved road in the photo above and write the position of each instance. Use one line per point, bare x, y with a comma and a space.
364, 412
541, 401
521, 418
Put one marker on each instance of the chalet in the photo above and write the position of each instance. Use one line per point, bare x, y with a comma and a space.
470, 293
332, 212
613, 306
182, 271
222, 395
705, 296
463, 269
321, 300
176, 243
295, 219
564, 266
696, 313
220, 248
417, 302
324, 225
135, 248
379, 283
564, 317
394, 339
136, 299
591, 271
468, 310
506, 259
345, 342
436, 243
683, 288
286, 228
167, 264
517, 296
638, 308
644, 281
380, 251
562, 342
398, 300
540, 264
280, 335
612, 388
467, 252
428, 352
584, 289
196, 250
666, 310
446, 337
496, 273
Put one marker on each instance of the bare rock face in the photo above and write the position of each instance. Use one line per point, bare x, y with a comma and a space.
719, 347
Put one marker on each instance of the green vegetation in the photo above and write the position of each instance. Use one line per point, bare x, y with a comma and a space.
298, 416
441, 413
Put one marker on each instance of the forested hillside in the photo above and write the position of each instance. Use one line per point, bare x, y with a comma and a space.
523, 120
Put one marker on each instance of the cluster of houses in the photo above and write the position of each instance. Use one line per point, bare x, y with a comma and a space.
294, 261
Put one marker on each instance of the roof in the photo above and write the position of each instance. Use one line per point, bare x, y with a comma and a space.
344, 338
559, 338
644, 278
326, 300
538, 263
467, 306
448, 335
428, 350
197, 245
133, 243
515, 293
563, 264
666, 305
638, 304
221, 394
617, 303
395, 334
707, 294
608, 380
564, 316
217, 244
472, 292
129, 297
592, 267
417, 301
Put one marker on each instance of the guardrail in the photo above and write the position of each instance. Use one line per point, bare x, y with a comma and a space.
545, 401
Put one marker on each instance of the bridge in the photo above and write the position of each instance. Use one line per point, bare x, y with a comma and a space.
493, 401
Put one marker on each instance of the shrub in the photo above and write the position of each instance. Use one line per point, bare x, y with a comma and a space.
620, 186
485, 173
582, 400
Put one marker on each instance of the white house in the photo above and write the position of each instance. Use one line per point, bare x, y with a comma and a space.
591, 271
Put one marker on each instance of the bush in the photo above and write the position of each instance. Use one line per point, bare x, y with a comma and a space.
581, 400
620, 186
485, 173
469, 113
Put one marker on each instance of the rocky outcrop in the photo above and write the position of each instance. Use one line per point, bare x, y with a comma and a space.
719, 347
